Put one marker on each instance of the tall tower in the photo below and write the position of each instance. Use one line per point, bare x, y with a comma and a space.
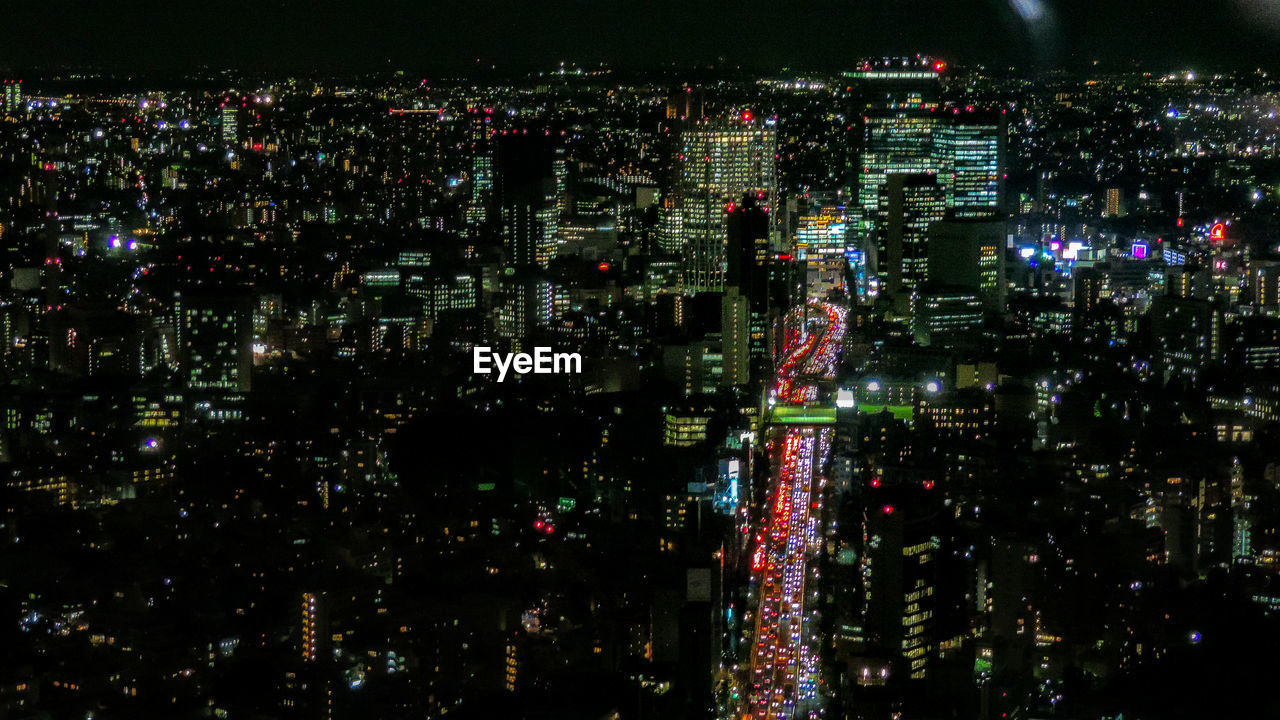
1115, 202
971, 150
896, 99
895, 142
735, 334
525, 191
899, 580
230, 117
908, 206
12, 97
312, 622
52, 229
719, 161
480, 144
747, 267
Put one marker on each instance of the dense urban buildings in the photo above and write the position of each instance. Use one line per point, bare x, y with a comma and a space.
916, 389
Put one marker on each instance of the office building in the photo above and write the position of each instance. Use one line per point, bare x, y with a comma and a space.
12, 97
971, 146
747, 269
969, 254
480, 129
899, 579
735, 337
215, 334
230, 128
908, 206
947, 317
895, 142
1188, 336
719, 161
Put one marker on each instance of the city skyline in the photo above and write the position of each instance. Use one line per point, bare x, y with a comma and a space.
900, 390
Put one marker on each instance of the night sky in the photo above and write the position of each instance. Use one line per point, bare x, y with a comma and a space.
517, 35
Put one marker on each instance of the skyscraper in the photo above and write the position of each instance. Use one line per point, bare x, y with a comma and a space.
719, 161
971, 155
822, 244
896, 83
908, 206
898, 581
12, 96
480, 143
748, 270
230, 117
895, 142
1188, 336
1266, 285
736, 338
1115, 203
312, 624
524, 189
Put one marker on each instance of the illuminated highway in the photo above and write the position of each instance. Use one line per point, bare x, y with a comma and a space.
783, 672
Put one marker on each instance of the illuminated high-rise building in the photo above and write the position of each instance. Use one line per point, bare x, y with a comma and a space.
735, 338
685, 103
1241, 516
560, 171
719, 161
748, 271
530, 227
896, 84
971, 155
964, 148
1115, 203
480, 144
822, 245
529, 304
312, 623
908, 207
1266, 286
451, 293
899, 571
230, 117
946, 317
525, 194
895, 142
527, 186
896, 99
1188, 336
12, 96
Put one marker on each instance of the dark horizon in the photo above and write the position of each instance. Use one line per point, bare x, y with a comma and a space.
327, 37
